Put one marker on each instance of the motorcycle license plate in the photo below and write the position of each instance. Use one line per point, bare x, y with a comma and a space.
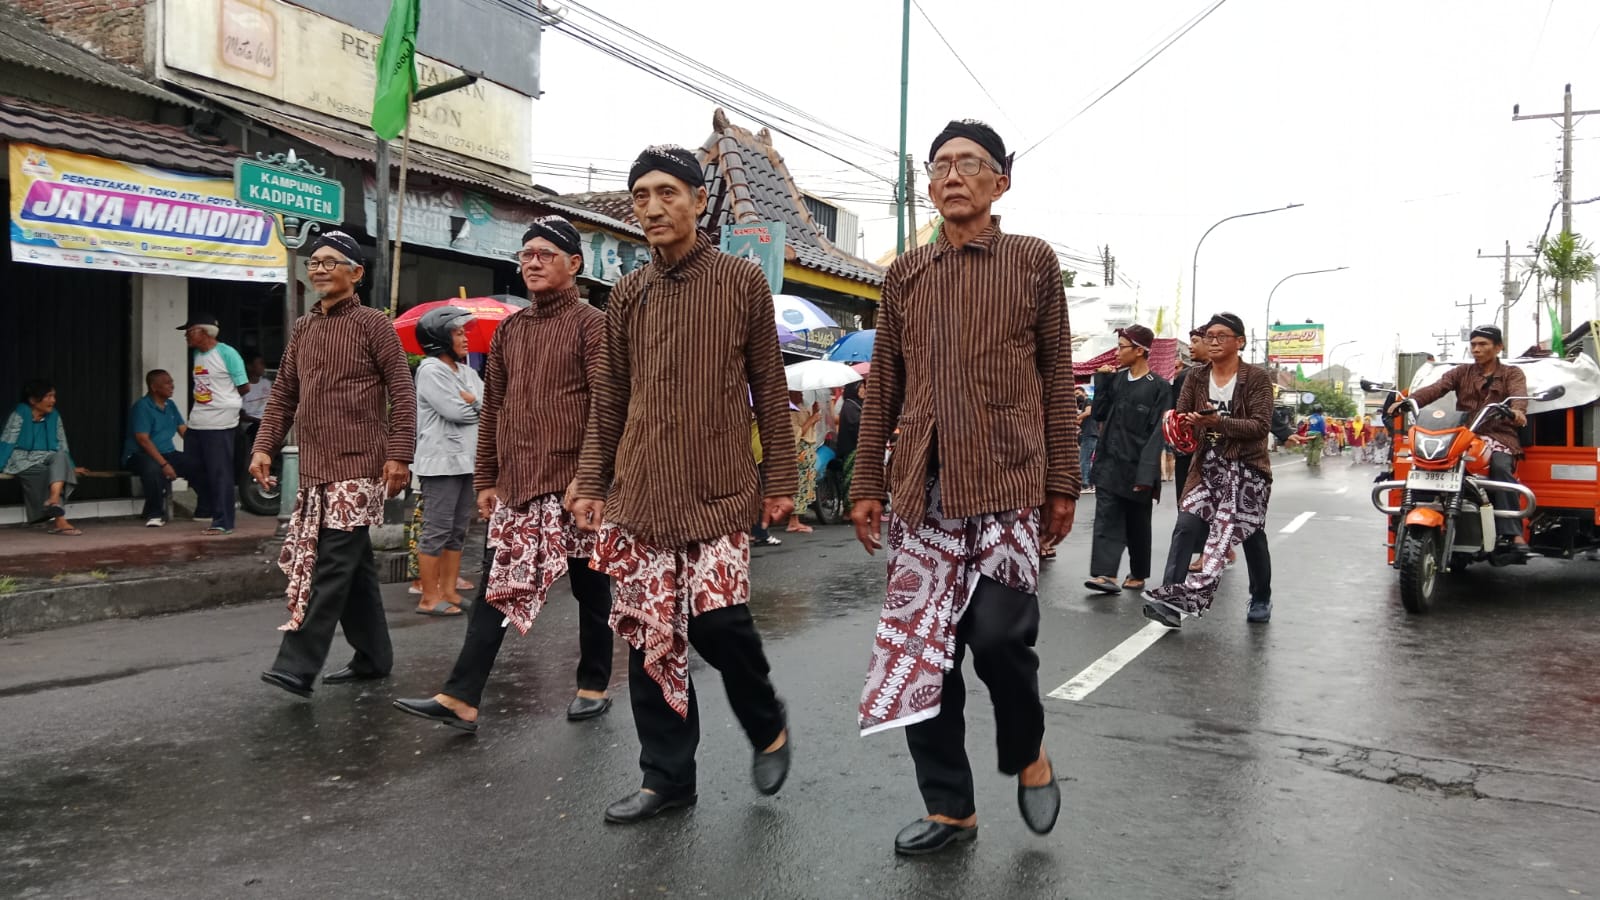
1434, 481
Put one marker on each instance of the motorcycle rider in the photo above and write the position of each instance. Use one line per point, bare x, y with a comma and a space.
1477, 384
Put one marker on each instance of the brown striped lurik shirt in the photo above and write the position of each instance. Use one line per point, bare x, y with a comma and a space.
331, 386
687, 347
973, 363
543, 361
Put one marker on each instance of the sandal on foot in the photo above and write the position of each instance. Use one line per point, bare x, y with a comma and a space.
1102, 584
1133, 584
66, 532
443, 611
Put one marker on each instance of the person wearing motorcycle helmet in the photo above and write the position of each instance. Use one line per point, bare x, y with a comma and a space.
1484, 381
1228, 407
535, 409
449, 402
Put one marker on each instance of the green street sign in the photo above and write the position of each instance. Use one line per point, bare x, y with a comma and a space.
290, 193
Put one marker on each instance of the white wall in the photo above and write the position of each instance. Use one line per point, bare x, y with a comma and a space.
160, 305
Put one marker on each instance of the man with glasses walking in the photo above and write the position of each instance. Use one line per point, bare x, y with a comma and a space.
1227, 406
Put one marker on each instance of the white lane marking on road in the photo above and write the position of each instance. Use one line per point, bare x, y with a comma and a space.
1299, 520
1343, 490
1084, 683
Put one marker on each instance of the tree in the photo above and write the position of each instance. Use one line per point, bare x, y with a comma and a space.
1563, 257
1068, 277
1334, 402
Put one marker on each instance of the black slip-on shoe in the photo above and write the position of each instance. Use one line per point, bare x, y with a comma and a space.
290, 682
1260, 612
434, 711
769, 770
587, 708
1157, 611
347, 675
1040, 805
926, 836
641, 805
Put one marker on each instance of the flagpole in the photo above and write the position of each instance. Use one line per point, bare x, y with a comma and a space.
400, 217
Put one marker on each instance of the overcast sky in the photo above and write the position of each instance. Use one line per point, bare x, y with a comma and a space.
1390, 121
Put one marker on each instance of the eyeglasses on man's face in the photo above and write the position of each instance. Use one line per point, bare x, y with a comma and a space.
1124, 347
325, 264
1217, 337
544, 257
966, 165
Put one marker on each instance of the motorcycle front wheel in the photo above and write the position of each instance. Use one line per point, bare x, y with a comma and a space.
1419, 568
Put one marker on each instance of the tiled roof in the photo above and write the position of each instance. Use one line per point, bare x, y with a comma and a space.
112, 137
612, 204
27, 42
748, 182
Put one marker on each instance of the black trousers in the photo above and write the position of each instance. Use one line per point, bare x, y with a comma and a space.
213, 451
1000, 626
1189, 538
344, 592
485, 632
1121, 523
727, 639
156, 486
1180, 473
1503, 467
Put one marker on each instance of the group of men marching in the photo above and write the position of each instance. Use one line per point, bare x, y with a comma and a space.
615, 449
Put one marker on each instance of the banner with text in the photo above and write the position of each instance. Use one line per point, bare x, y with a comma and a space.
606, 257
453, 219
84, 212
761, 243
1295, 344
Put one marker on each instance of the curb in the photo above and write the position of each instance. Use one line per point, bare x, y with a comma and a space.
226, 582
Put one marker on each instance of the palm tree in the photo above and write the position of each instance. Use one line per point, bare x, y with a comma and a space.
1564, 259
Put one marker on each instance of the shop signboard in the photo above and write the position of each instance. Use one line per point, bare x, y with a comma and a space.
606, 257
1295, 344
84, 212
761, 243
452, 219
273, 188
298, 57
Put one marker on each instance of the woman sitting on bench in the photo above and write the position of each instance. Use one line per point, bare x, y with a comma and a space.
33, 448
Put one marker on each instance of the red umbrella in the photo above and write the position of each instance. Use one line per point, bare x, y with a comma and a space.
487, 314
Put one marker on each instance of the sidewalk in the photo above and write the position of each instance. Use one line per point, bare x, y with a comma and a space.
118, 568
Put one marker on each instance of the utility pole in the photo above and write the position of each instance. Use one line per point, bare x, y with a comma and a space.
1471, 304
1565, 116
1108, 266
911, 202
1508, 292
1446, 341
905, 78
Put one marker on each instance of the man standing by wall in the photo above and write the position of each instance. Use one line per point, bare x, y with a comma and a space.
220, 383
1129, 402
973, 361
668, 479
343, 373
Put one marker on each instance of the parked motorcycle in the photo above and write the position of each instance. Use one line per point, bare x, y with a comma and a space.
1444, 519
253, 498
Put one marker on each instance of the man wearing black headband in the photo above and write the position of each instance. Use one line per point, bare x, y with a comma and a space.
1227, 404
1129, 400
973, 362
536, 397
1477, 384
343, 373
668, 479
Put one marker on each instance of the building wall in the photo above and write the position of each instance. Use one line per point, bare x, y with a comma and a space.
113, 28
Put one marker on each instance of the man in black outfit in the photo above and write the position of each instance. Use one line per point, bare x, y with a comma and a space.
1129, 401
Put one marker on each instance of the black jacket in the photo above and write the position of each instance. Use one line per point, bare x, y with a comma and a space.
1129, 413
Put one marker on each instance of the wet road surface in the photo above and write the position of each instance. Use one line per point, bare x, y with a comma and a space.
1345, 750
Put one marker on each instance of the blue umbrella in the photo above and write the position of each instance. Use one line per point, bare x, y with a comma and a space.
853, 347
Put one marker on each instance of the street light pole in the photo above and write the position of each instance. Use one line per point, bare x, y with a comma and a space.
1329, 368
1268, 332
1194, 268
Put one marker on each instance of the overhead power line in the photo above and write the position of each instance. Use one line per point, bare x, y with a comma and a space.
974, 75
1149, 58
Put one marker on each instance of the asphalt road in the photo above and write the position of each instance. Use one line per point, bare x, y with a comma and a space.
1345, 750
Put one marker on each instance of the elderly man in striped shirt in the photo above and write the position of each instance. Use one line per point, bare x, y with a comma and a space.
973, 363
542, 366
668, 479
343, 372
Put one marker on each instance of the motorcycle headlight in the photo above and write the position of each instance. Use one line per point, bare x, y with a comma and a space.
1432, 447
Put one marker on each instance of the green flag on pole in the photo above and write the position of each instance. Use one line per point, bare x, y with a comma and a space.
397, 71
1299, 372
1558, 344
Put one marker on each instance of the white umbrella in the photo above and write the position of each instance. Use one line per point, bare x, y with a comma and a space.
819, 375
799, 314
